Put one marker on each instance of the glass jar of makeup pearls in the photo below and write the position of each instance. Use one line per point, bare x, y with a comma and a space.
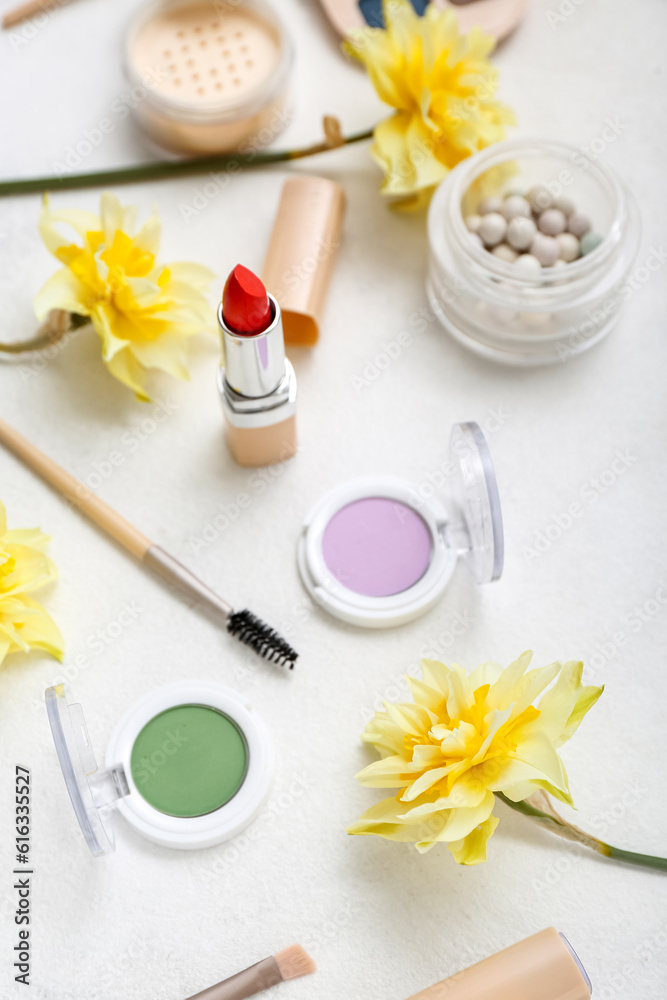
500, 307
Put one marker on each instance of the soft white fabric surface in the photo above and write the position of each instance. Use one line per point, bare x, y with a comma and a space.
380, 920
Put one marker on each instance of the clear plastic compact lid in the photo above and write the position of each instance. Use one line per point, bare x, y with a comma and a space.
477, 527
93, 793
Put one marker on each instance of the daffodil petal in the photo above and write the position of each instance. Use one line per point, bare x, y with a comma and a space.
111, 216
62, 290
127, 370
436, 675
424, 695
5, 646
535, 759
471, 849
32, 537
111, 343
168, 354
386, 773
500, 693
382, 821
148, 237
81, 222
39, 631
191, 275
32, 569
485, 673
424, 783
459, 823
564, 706
461, 696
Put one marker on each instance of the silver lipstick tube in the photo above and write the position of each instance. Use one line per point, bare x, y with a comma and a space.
257, 383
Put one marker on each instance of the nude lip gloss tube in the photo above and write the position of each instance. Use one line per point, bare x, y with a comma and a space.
257, 387
541, 967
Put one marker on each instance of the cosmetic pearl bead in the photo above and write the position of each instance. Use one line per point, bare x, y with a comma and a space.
505, 252
493, 229
564, 205
515, 205
545, 248
526, 262
578, 224
539, 199
568, 247
590, 242
489, 205
521, 232
472, 223
552, 222
477, 239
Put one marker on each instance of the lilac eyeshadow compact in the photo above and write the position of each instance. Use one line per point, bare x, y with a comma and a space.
380, 551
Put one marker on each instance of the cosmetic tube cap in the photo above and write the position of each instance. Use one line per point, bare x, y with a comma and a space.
302, 253
541, 967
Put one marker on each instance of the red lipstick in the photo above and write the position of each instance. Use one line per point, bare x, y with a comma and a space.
257, 383
245, 305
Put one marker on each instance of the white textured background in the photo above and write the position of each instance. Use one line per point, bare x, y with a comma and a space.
380, 920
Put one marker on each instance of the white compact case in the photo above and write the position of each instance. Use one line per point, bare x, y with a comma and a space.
466, 523
95, 795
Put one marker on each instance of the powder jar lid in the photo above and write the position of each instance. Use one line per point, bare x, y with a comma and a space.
95, 794
466, 522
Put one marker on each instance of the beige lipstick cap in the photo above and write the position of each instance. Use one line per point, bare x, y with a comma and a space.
302, 253
541, 967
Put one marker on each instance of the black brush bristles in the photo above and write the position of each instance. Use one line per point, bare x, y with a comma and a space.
252, 631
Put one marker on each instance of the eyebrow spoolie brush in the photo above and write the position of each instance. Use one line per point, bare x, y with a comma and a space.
291, 963
242, 624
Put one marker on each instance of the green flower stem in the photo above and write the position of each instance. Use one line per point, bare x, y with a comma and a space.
564, 829
163, 170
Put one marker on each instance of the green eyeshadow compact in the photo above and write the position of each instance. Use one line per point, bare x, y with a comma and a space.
188, 766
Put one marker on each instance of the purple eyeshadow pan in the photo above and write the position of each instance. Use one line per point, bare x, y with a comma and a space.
376, 546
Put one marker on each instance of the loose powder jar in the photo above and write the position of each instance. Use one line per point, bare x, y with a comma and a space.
209, 76
380, 551
188, 766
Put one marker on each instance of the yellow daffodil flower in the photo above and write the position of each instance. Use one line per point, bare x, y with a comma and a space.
464, 739
144, 312
24, 568
442, 86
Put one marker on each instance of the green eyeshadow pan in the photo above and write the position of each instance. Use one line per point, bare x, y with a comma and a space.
189, 760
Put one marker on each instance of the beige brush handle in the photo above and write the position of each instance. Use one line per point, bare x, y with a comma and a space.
75, 492
244, 984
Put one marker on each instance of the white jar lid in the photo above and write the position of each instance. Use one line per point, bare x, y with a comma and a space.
96, 794
334, 567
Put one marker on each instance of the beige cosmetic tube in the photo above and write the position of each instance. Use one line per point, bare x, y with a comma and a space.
541, 967
302, 253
